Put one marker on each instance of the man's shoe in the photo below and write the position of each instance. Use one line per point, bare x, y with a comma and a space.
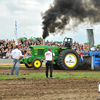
46, 77
11, 74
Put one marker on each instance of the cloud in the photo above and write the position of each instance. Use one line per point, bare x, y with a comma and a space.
12, 7
27, 13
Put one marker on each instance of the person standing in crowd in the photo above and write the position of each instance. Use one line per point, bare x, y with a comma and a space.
8, 54
0, 54
3, 54
16, 55
49, 57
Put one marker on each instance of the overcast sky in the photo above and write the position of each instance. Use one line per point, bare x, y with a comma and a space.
27, 13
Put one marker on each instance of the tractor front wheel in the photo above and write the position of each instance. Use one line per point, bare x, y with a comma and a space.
28, 65
36, 63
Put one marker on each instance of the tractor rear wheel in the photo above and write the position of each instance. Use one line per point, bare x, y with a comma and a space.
36, 63
28, 65
68, 59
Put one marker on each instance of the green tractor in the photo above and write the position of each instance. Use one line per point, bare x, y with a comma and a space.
65, 58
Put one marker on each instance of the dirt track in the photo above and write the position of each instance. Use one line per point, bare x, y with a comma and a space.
48, 89
6, 70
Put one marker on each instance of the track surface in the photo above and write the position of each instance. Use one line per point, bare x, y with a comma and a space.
48, 89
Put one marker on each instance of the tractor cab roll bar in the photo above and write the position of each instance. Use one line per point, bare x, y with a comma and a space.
67, 42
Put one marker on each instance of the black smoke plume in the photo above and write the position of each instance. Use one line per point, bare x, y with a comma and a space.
61, 12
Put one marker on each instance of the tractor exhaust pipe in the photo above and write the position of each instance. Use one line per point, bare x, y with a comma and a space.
44, 42
90, 36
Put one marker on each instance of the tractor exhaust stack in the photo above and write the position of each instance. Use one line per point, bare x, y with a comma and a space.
90, 36
44, 42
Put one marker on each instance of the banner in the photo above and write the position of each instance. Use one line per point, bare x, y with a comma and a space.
16, 38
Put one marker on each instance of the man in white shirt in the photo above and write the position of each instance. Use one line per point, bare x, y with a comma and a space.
49, 57
16, 55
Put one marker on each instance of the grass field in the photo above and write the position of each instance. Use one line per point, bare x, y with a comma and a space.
55, 74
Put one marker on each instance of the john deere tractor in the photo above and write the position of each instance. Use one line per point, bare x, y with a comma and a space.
65, 58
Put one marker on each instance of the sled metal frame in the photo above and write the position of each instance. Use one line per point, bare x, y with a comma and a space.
95, 59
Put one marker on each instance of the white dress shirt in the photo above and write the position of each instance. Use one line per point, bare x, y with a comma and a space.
16, 54
49, 56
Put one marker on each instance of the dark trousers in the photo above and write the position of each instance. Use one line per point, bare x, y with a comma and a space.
49, 63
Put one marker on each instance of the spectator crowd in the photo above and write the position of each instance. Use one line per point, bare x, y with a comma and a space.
83, 49
6, 47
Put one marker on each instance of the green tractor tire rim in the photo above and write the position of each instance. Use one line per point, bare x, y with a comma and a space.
70, 60
37, 63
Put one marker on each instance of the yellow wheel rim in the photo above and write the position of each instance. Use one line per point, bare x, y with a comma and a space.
70, 60
30, 65
37, 63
